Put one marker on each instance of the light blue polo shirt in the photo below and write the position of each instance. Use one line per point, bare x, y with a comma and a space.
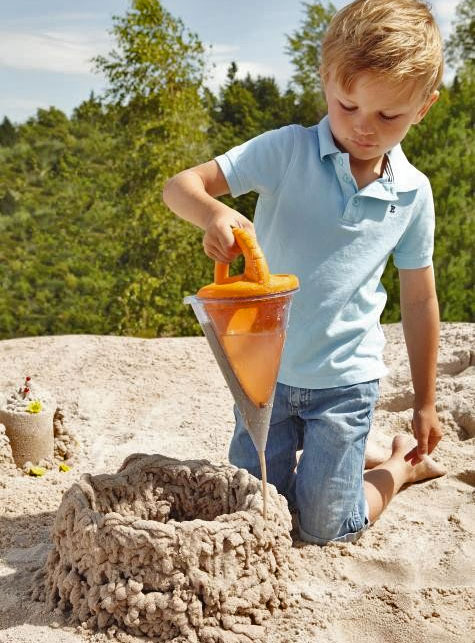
313, 221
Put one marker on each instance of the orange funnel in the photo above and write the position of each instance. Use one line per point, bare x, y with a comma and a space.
245, 319
251, 333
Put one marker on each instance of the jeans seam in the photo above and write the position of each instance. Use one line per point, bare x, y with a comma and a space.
294, 450
369, 418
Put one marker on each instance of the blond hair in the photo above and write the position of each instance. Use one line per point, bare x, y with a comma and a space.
398, 39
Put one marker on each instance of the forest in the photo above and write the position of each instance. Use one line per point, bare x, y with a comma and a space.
86, 243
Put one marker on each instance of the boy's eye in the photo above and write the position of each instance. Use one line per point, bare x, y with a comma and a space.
347, 108
388, 118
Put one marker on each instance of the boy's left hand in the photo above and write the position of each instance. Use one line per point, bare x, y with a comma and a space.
427, 431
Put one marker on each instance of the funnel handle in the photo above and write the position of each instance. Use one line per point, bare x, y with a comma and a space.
255, 265
221, 272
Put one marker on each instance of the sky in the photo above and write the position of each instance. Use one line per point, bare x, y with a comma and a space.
46, 45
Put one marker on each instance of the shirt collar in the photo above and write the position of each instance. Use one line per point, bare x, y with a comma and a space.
325, 139
406, 176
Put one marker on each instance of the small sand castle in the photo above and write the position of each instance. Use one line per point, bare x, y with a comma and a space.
28, 418
32, 430
173, 550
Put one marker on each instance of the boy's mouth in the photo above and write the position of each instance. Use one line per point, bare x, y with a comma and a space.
363, 143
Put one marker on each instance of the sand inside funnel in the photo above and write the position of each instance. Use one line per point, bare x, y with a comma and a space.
173, 550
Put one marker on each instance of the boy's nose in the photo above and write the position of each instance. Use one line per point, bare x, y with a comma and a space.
363, 128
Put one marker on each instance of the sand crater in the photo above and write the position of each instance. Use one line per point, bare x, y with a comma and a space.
174, 550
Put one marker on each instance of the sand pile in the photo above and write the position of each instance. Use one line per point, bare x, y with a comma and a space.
410, 577
177, 551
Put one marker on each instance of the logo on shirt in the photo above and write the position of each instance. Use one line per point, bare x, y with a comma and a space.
392, 209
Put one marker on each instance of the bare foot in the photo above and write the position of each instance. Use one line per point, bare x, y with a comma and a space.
374, 455
425, 470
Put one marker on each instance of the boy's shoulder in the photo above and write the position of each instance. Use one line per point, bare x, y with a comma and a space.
304, 137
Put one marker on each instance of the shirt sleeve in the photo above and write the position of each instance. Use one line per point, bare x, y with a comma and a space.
260, 164
416, 246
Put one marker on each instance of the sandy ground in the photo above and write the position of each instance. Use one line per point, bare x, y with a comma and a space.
408, 579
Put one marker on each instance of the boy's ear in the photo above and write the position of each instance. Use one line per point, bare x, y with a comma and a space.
433, 98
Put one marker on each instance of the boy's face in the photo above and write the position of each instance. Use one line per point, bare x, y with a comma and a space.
374, 115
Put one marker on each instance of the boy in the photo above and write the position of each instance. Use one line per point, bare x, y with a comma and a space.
335, 200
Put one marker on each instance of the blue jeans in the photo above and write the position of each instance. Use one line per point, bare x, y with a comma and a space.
331, 427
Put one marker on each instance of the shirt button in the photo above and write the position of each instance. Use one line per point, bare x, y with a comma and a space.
346, 178
356, 201
340, 161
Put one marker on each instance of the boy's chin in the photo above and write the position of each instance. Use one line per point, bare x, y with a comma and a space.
365, 154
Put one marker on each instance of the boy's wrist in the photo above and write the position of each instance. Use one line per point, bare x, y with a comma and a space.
217, 211
424, 403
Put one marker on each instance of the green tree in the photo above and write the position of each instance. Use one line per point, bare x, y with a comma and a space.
8, 134
460, 46
305, 51
58, 249
8, 203
156, 76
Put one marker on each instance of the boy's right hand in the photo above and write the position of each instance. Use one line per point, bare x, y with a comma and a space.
218, 241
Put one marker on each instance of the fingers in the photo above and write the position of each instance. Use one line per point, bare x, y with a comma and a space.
421, 434
215, 253
413, 457
427, 431
219, 252
422, 441
247, 225
219, 243
434, 438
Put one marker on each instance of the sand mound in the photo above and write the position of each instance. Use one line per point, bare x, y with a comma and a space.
176, 551
408, 579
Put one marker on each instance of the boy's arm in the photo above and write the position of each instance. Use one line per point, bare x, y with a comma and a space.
191, 195
420, 319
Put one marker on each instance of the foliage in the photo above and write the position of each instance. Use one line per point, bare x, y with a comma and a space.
460, 46
86, 244
305, 46
305, 51
57, 243
155, 75
8, 134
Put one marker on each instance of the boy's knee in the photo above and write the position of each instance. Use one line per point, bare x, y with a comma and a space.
242, 453
324, 529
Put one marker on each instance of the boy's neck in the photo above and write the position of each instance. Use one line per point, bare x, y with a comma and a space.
367, 171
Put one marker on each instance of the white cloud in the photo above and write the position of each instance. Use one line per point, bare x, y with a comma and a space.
19, 103
58, 51
25, 20
74, 15
219, 72
19, 109
219, 50
221, 56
